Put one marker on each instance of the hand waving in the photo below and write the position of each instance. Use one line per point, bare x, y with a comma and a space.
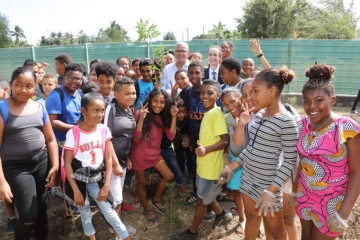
143, 111
255, 46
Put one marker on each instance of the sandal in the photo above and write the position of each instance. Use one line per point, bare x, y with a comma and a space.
161, 210
153, 220
234, 211
222, 198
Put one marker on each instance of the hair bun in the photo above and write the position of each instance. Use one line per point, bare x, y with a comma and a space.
320, 72
286, 75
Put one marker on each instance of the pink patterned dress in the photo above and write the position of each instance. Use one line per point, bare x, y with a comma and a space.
324, 171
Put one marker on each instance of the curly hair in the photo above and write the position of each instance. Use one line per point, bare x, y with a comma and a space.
320, 78
106, 68
150, 117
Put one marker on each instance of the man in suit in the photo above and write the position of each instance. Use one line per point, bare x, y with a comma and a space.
214, 58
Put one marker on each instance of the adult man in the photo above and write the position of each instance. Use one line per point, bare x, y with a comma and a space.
168, 75
213, 71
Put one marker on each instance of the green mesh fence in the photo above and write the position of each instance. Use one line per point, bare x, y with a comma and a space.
296, 54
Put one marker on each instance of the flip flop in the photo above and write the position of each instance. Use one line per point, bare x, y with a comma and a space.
153, 220
161, 210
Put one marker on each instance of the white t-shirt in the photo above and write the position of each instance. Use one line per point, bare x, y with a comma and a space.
90, 146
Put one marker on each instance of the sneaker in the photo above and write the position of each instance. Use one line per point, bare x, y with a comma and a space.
184, 236
10, 226
191, 200
131, 230
92, 202
354, 112
56, 191
74, 210
222, 219
209, 215
126, 208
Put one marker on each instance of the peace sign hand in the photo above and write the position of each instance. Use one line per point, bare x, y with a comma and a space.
174, 109
174, 89
246, 115
255, 46
143, 111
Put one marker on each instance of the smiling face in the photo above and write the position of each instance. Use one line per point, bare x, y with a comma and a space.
208, 96
195, 75
120, 72
73, 80
23, 87
248, 66
123, 62
226, 50
146, 73
169, 58
317, 105
106, 84
180, 116
182, 80
214, 57
246, 95
93, 76
232, 104
94, 112
158, 103
181, 53
126, 96
136, 68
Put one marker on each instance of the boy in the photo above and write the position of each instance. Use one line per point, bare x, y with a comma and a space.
213, 140
182, 82
106, 74
49, 83
144, 85
230, 72
213, 71
30, 63
195, 111
61, 61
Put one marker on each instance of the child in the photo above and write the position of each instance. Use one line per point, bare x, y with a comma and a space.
61, 61
120, 72
196, 111
89, 87
144, 85
121, 123
30, 63
230, 72
272, 131
86, 156
154, 117
124, 62
230, 98
131, 74
213, 140
92, 74
326, 187
195, 56
182, 83
4, 89
26, 171
169, 57
106, 74
135, 66
49, 83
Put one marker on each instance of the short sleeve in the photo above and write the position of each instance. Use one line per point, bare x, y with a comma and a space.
219, 123
348, 129
108, 134
53, 103
69, 142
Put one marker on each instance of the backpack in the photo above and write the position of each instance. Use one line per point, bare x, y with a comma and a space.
61, 93
5, 109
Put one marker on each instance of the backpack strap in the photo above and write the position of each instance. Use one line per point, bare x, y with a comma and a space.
76, 132
137, 90
4, 110
107, 111
103, 138
61, 93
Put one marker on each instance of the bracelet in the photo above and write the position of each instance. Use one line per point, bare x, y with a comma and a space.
270, 193
227, 167
260, 55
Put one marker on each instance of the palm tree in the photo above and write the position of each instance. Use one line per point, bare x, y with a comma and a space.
18, 33
218, 30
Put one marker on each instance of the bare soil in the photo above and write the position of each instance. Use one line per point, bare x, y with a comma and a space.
178, 218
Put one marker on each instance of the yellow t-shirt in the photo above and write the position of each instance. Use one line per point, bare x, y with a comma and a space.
212, 126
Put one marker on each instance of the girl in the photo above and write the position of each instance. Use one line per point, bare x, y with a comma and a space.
87, 153
135, 66
272, 131
27, 142
230, 99
195, 56
328, 179
124, 62
153, 119
169, 57
226, 49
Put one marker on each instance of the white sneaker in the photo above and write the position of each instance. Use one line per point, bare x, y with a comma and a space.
131, 230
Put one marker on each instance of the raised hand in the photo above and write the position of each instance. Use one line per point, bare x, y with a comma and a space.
200, 150
174, 89
255, 46
143, 110
246, 115
174, 109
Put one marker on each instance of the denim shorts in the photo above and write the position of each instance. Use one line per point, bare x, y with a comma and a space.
202, 186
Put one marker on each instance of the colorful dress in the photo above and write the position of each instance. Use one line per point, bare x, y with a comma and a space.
324, 171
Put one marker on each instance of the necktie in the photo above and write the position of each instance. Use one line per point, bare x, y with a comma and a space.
213, 75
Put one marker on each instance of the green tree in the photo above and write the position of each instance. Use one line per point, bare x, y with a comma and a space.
169, 36
146, 31
18, 34
82, 38
5, 40
113, 33
218, 31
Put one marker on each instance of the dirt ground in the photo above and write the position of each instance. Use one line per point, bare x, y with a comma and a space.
178, 218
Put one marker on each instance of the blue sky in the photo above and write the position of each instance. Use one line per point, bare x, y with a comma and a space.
40, 17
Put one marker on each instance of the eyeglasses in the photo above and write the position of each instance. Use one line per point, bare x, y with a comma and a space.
181, 51
74, 79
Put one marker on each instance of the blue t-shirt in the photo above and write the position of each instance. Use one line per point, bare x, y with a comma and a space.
196, 111
145, 89
68, 111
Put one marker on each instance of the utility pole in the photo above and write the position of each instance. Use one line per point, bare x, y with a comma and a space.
187, 34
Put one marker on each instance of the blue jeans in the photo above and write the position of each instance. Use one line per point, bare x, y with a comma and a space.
170, 158
109, 213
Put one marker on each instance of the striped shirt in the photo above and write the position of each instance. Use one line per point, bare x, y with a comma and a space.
260, 159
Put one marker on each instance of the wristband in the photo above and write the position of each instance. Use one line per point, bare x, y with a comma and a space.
260, 55
270, 193
227, 167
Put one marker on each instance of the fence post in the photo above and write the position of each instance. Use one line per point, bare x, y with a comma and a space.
87, 56
148, 49
289, 60
33, 52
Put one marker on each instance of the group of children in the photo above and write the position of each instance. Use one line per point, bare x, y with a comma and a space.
276, 164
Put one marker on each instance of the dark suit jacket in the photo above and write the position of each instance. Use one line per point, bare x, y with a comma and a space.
207, 75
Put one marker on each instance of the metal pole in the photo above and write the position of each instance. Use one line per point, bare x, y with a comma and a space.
33, 52
87, 56
289, 59
187, 34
